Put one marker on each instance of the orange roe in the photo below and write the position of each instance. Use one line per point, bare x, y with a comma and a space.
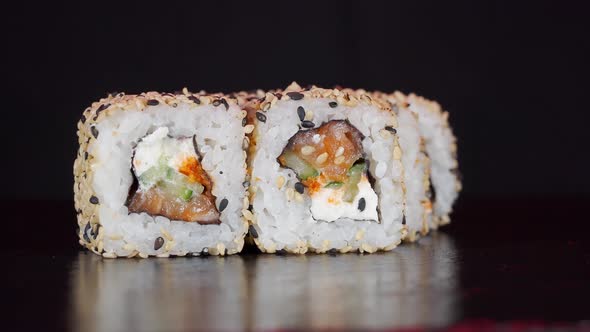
193, 170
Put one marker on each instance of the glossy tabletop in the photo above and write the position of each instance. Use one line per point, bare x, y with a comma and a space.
501, 263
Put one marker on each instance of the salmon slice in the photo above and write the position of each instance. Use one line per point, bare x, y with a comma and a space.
158, 201
332, 148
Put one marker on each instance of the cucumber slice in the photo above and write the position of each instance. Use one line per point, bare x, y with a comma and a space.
303, 169
334, 185
186, 194
151, 176
355, 174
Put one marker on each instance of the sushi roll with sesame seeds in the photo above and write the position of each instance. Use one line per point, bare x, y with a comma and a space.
418, 207
160, 175
441, 148
326, 174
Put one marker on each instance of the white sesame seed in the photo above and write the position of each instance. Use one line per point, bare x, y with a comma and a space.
110, 255
339, 160
385, 134
298, 197
280, 181
248, 128
247, 214
397, 153
339, 151
308, 115
316, 138
290, 192
307, 150
322, 158
166, 234
169, 245
221, 249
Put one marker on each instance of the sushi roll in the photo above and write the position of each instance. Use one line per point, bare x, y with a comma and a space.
418, 207
441, 148
160, 175
326, 173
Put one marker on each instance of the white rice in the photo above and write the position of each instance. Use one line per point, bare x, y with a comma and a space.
415, 174
219, 136
441, 148
283, 222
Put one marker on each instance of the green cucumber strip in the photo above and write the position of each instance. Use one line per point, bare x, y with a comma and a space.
334, 185
355, 174
303, 169
186, 194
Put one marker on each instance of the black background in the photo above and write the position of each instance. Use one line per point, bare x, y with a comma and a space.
513, 74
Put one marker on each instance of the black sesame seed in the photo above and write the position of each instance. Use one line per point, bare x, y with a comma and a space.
194, 99
332, 252
404, 220
223, 204
102, 108
246, 184
362, 204
153, 102
301, 113
94, 200
295, 95
94, 232
391, 129
333, 104
205, 252
85, 155
220, 172
281, 252
216, 102
307, 124
83, 118
244, 122
85, 234
261, 117
94, 131
224, 102
299, 187
195, 145
253, 231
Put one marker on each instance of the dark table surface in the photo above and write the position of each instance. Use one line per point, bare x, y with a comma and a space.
510, 264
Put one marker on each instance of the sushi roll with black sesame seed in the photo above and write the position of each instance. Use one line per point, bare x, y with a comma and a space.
326, 174
441, 148
160, 175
